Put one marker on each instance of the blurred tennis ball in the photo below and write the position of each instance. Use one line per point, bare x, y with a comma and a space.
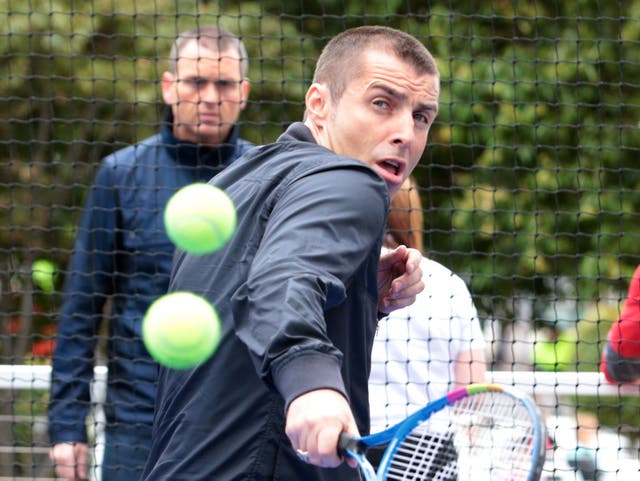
200, 218
43, 273
181, 330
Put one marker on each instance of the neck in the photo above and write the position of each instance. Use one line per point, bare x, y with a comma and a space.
317, 133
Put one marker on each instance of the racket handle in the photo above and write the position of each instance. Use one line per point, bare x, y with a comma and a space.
349, 443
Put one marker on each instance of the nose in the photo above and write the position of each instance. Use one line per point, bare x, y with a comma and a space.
209, 93
404, 131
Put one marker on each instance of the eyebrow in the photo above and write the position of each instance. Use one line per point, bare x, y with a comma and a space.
391, 92
210, 79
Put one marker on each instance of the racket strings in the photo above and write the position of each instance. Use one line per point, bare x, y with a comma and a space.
482, 437
424, 456
494, 437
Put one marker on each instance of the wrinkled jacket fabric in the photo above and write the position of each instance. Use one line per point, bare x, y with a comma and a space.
296, 290
122, 253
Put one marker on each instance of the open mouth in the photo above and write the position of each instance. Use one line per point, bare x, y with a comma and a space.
390, 166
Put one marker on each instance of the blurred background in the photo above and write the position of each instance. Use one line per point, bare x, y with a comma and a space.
529, 183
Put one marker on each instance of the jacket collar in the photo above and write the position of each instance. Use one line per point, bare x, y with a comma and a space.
297, 131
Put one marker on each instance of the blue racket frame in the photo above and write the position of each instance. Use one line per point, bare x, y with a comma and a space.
393, 436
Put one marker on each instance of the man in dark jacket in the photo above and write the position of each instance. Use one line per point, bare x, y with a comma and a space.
122, 252
300, 285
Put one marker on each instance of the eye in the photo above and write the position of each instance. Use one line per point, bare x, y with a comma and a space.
426, 116
225, 84
381, 103
194, 82
420, 117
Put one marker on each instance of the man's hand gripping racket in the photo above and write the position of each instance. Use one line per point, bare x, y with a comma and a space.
482, 432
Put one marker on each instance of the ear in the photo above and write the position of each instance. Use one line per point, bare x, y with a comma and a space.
168, 89
245, 88
317, 103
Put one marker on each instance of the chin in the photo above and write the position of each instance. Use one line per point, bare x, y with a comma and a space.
393, 188
211, 138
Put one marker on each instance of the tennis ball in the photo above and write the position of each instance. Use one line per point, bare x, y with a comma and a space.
200, 218
43, 273
181, 330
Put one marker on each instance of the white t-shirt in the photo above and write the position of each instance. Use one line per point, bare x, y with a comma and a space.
415, 347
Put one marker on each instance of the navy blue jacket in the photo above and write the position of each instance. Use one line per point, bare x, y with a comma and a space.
122, 253
296, 290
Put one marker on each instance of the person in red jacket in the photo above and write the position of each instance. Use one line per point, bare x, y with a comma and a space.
621, 354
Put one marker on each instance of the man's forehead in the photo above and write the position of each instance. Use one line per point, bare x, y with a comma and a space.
387, 64
196, 51
400, 83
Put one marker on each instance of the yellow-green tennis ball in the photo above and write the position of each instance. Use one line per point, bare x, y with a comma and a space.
200, 218
181, 330
43, 273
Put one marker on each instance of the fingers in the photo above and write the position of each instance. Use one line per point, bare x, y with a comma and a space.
327, 446
70, 460
406, 281
353, 430
413, 259
314, 423
404, 290
405, 299
389, 258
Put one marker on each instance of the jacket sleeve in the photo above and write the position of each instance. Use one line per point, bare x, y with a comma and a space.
320, 231
621, 355
88, 284
617, 368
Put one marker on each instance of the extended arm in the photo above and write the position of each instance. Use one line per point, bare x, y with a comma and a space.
470, 367
86, 289
621, 355
320, 234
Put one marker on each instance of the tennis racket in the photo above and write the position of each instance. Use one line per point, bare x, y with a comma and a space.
481, 432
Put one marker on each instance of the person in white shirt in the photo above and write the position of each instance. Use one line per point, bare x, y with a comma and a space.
431, 347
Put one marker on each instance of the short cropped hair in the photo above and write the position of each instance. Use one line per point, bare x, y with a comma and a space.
406, 219
338, 63
212, 38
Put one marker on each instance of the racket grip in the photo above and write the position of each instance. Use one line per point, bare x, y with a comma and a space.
348, 443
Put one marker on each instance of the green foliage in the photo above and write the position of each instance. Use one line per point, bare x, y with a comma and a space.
530, 176
536, 133
80, 80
